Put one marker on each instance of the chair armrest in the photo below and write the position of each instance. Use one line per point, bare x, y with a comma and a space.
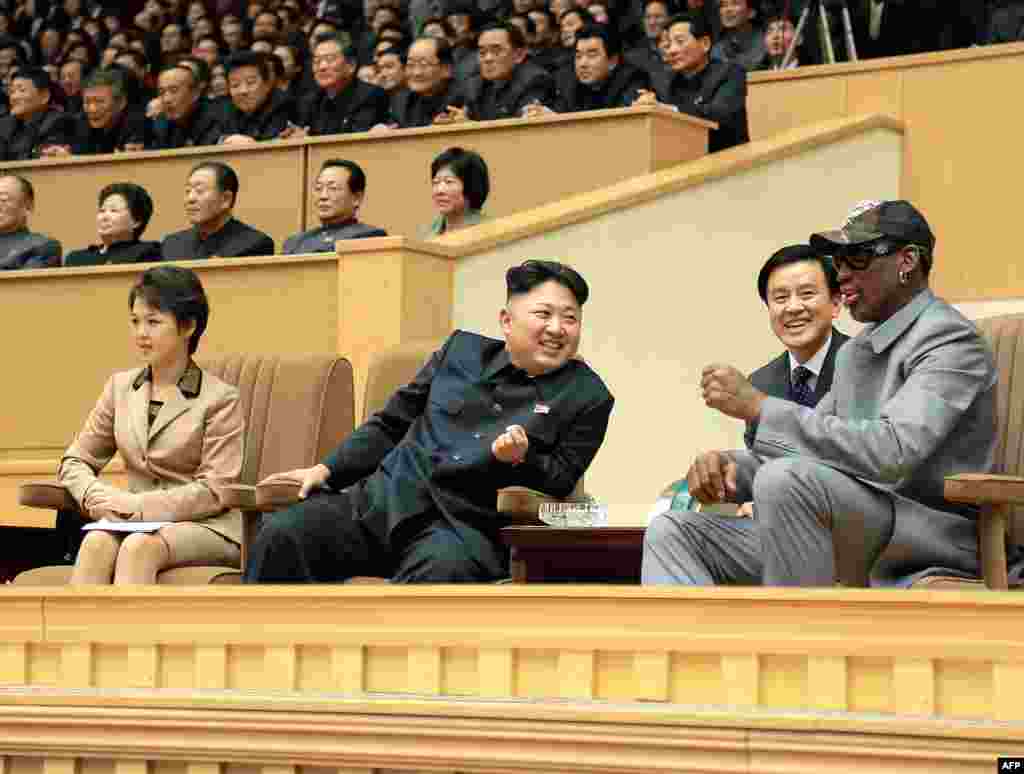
240, 496
273, 495
985, 488
46, 494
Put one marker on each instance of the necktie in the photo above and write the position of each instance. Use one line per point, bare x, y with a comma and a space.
802, 392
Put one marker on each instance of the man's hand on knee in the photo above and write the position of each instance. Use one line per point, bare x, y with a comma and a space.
312, 479
712, 477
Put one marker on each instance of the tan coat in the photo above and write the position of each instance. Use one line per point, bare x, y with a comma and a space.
194, 446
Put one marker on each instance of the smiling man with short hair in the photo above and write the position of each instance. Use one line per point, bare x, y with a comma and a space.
412, 493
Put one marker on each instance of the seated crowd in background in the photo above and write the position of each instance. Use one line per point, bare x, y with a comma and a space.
459, 178
79, 77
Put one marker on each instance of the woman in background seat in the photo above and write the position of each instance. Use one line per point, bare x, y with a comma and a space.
123, 214
180, 432
460, 184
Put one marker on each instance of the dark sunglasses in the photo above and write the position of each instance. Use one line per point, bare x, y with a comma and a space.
860, 259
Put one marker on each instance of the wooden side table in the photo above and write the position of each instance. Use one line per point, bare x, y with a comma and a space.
575, 554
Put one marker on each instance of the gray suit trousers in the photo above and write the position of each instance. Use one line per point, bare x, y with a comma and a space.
803, 509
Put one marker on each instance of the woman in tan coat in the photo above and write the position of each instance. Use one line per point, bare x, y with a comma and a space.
180, 432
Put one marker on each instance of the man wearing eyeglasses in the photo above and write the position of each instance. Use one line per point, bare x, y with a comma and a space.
429, 89
337, 195
853, 489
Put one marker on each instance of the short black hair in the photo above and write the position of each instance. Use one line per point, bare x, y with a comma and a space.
699, 26
442, 49
347, 49
605, 33
531, 27
356, 176
177, 291
39, 77
257, 59
391, 50
267, 12
515, 35
529, 274
140, 203
140, 59
227, 179
26, 187
797, 254
669, 6
470, 168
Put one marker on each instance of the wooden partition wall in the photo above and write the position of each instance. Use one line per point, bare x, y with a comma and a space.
378, 293
503, 679
275, 176
962, 163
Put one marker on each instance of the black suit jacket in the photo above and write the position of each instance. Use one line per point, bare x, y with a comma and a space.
619, 90
773, 379
427, 453
22, 140
235, 239
119, 252
489, 100
357, 107
717, 93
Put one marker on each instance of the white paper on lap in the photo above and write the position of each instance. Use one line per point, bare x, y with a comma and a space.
126, 526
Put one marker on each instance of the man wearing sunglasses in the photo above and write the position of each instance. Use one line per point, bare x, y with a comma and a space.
853, 489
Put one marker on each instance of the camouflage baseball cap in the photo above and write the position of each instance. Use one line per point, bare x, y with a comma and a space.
898, 220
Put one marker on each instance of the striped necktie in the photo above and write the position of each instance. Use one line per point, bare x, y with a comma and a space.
801, 390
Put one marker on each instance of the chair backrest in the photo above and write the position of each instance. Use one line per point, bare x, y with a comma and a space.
1005, 335
296, 409
391, 368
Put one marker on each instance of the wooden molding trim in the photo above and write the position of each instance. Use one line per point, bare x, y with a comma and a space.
891, 63
638, 190
472, 736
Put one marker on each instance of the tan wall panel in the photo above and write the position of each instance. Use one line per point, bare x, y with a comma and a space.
271, 181
964, 174
79, 322
528, 165
671, 293
778, 106
961, 164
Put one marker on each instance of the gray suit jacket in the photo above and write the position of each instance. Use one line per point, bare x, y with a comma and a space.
774, 379
913, 401
28, 250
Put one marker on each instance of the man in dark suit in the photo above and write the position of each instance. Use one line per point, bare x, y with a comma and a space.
19, 247
414, 489
716, 91
800, 289
33, 127
338, 194
210, 197
507, 82
341, 103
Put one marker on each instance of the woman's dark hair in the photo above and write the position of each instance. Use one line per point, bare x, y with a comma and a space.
140, 204
177, 291
529, 274
470, 168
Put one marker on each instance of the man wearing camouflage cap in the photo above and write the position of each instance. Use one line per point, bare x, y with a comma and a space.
853, 489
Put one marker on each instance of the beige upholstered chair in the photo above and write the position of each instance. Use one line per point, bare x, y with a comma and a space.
1000, 495
296, 411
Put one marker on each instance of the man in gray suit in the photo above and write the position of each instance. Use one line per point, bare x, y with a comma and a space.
852, 490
